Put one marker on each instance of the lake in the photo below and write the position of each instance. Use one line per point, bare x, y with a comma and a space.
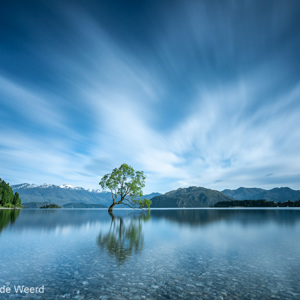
167, 254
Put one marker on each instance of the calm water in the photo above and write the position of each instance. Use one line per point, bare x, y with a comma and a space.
168, 254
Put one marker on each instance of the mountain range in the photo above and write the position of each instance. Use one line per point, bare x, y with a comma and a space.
282, 194
202, 197
34, 196
189, 197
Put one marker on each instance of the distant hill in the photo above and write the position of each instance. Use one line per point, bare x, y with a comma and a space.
34, 196
189, 197
282, 194
68, 205
243, 193
83, 205
150, 196
34, 204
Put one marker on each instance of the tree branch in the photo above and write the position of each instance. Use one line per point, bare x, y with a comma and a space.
112, 196
130, 206
129, 201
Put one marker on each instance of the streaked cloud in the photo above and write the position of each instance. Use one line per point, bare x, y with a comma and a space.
202, 97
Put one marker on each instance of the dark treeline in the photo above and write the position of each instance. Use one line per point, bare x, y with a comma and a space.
52, 205
7, 197
257, 203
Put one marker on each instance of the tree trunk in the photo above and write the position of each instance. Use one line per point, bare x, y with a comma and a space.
110, 209
112, 215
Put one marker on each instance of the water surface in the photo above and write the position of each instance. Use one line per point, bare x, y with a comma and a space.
167, 254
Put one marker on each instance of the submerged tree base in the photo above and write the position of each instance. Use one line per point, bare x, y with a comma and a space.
110, 209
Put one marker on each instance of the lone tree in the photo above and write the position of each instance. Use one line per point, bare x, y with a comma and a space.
126, 187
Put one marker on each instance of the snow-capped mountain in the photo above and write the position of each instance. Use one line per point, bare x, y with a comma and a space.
24, 186
63, 194
63, 186
60, 195
71, 187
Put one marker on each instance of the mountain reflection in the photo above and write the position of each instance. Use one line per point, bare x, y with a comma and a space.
8, 216
203, 217
124, 237
49, 220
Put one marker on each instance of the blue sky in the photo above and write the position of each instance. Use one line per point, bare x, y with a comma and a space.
203, 93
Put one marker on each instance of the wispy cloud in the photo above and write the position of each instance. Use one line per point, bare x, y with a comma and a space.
191, 104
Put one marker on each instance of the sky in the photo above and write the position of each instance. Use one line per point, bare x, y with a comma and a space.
193, 93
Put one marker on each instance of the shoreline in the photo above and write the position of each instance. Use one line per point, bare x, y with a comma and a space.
1, 207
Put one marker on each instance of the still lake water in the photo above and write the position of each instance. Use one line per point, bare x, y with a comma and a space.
167, 254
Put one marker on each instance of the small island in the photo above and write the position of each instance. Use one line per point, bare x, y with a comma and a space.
8, 199
52, 205
257, 203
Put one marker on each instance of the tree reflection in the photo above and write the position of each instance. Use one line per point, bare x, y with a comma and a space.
8, 216
124, 237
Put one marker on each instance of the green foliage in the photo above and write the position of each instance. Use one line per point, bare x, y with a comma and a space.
7, 196
288, 204
16, 200
50, 206
145, 203
126, 186
8, 216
